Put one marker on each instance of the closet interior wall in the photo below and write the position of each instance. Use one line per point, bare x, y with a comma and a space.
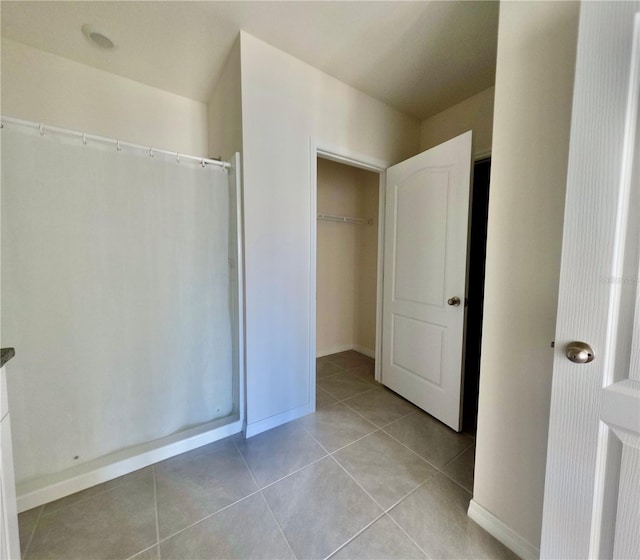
346, 260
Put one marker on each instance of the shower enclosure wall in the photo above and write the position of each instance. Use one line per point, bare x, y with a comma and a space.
121, 294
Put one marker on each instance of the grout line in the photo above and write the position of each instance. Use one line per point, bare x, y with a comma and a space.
91, 496
458, 455
439, 469
275, 518
207, 517
144, 550
370, 421
355, 440
358, 483
33, 532
470, 492
409, 448
422, 483
408, 536
368, 390
296, 471
235, 443
355, 536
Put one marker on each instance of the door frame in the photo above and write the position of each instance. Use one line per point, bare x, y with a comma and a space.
340, 154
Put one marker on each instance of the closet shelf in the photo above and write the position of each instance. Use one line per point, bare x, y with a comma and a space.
344, 219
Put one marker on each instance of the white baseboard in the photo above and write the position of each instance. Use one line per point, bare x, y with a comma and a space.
366, 351
344, 348
502, 532
46, 489
333, 350
273, 421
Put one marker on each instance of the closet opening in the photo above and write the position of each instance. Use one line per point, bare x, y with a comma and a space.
349, 211
347, 278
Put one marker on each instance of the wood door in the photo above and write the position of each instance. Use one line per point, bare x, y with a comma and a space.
425, 257
592, 486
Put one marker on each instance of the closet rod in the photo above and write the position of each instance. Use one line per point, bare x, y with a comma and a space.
344, 219
117, 143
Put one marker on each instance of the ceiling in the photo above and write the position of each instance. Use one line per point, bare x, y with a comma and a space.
419, 57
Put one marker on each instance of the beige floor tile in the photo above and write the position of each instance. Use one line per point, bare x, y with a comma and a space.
247, 530
324, 369
435, 516
95, 490
336, 426
344, 385
349, 360
26, 524
323, 398
380, 407
429, 438
365, 371
382, 540
114, 524
461, 468
320, 508
279, 452
199, 483
385, 468
152, 553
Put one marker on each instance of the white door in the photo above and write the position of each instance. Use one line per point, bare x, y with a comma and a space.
425, 258
592, 486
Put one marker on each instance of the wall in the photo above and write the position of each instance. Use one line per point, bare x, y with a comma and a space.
336, 259
43, 87
346, 260
285, 103
474, 113
224, 110
367, 203
534, 85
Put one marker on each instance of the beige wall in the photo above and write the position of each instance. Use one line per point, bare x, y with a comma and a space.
286, 104
43, 87
474, 113
364, 338
534, 86
346, 260
224, 110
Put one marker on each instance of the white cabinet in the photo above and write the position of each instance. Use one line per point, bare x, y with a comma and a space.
9, 537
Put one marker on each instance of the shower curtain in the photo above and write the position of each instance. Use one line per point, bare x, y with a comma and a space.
115, 294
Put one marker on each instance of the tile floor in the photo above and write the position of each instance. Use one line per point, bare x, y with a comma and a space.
368, 476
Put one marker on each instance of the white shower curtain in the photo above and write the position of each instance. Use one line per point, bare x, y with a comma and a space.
115, 294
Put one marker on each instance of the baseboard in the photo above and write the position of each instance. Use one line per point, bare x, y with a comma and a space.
502, 532
333, 350
366, 351
46, 489
344, 348
273, 421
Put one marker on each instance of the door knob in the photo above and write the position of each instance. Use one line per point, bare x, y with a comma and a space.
455, 301
580, 353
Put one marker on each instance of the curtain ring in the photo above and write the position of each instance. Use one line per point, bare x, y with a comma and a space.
151, 152
202, 163
84, 138
118, 146
177, 157
41, 128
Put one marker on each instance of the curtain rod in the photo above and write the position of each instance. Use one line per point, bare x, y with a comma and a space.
117, 143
